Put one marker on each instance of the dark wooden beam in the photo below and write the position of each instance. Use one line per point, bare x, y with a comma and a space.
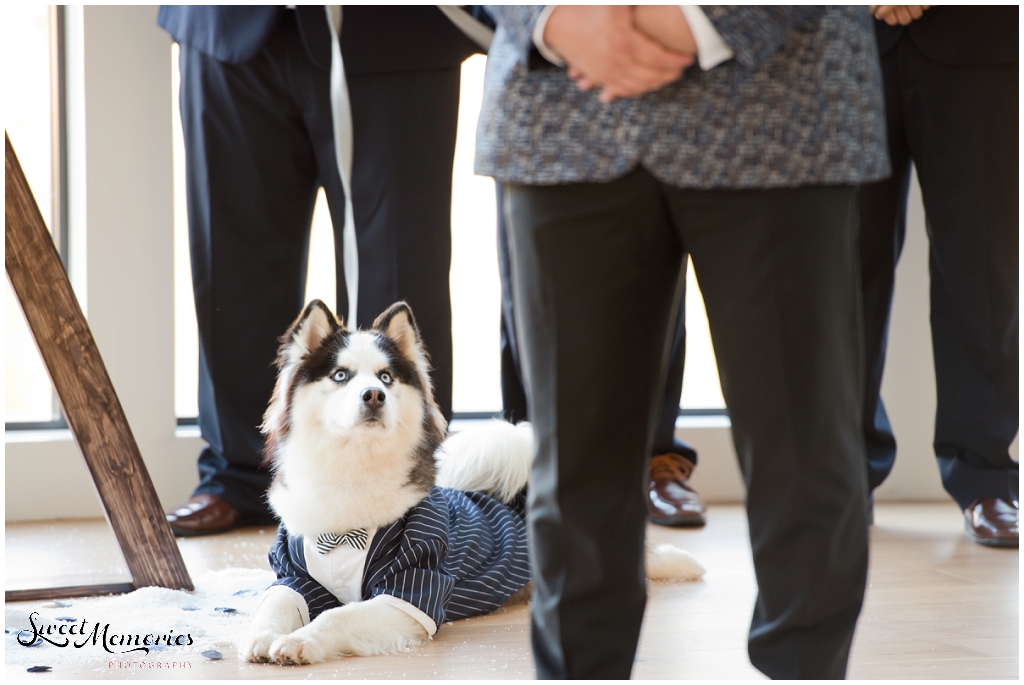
90, 404
68, 592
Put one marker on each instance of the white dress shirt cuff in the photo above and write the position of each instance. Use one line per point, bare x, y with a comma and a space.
538, 37
286, 595
711, 48
419, 615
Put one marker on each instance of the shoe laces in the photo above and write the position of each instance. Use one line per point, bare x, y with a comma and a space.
671, 466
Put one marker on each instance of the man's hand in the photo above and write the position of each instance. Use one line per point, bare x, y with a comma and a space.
603, 48
666, 25
898, 14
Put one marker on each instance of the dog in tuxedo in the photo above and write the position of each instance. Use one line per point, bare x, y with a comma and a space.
390, 525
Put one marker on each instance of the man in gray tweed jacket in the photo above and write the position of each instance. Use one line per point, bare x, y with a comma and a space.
749, 162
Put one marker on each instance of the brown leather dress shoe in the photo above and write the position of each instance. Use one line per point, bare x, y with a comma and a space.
670, 501
993, 522
203, 515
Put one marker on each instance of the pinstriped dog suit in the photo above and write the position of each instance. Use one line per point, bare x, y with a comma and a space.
455, 554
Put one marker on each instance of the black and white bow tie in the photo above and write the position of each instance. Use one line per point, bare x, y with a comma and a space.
354, 538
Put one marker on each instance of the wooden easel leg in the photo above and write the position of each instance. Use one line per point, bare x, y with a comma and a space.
90, 404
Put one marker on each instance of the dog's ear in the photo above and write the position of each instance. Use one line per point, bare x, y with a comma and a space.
398, 324
306, 334
315, 323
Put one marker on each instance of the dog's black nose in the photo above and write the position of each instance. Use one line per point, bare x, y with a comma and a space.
373, 397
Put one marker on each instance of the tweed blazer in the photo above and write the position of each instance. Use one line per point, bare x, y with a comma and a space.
799, 104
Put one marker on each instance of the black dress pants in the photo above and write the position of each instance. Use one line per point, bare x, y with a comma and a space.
513, 394
596, 275
259, 143
959, 127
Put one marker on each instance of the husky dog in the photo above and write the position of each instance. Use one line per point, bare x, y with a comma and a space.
387, 527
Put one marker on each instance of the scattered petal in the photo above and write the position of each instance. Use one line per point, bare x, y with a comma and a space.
38, 642
66, 618
225, 610
213, 655
245, 593
56, 604
38, 669
190, 608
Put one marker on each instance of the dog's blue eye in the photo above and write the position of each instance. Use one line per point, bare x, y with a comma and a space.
340, 376
386, 378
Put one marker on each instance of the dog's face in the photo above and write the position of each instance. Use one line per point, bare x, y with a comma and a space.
340, 385
360, 385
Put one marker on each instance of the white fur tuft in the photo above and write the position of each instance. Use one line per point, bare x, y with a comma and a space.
668, 562
493, 458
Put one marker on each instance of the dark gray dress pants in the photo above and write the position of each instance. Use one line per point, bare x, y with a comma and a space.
597, 270
513, 394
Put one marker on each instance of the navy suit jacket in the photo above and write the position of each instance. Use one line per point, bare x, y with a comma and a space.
374, 38
957, 35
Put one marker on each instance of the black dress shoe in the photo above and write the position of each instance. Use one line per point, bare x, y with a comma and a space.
993, 522
203, 514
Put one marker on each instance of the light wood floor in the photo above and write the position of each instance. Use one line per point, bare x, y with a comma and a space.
938, 605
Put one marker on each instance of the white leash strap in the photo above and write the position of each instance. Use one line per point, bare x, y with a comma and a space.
342, 116
477, 32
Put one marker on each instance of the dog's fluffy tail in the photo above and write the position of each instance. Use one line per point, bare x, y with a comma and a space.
668, 562
493, 458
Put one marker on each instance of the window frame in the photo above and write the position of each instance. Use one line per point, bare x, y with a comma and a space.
58, 181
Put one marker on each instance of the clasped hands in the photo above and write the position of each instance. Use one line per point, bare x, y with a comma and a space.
625, 51
898, 14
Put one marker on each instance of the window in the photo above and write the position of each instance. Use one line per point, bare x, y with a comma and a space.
476, 290
34, 119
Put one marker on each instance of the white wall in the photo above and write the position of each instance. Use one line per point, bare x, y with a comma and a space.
121, 199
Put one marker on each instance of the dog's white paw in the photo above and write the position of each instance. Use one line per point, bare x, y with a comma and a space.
256, 647
298, 648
